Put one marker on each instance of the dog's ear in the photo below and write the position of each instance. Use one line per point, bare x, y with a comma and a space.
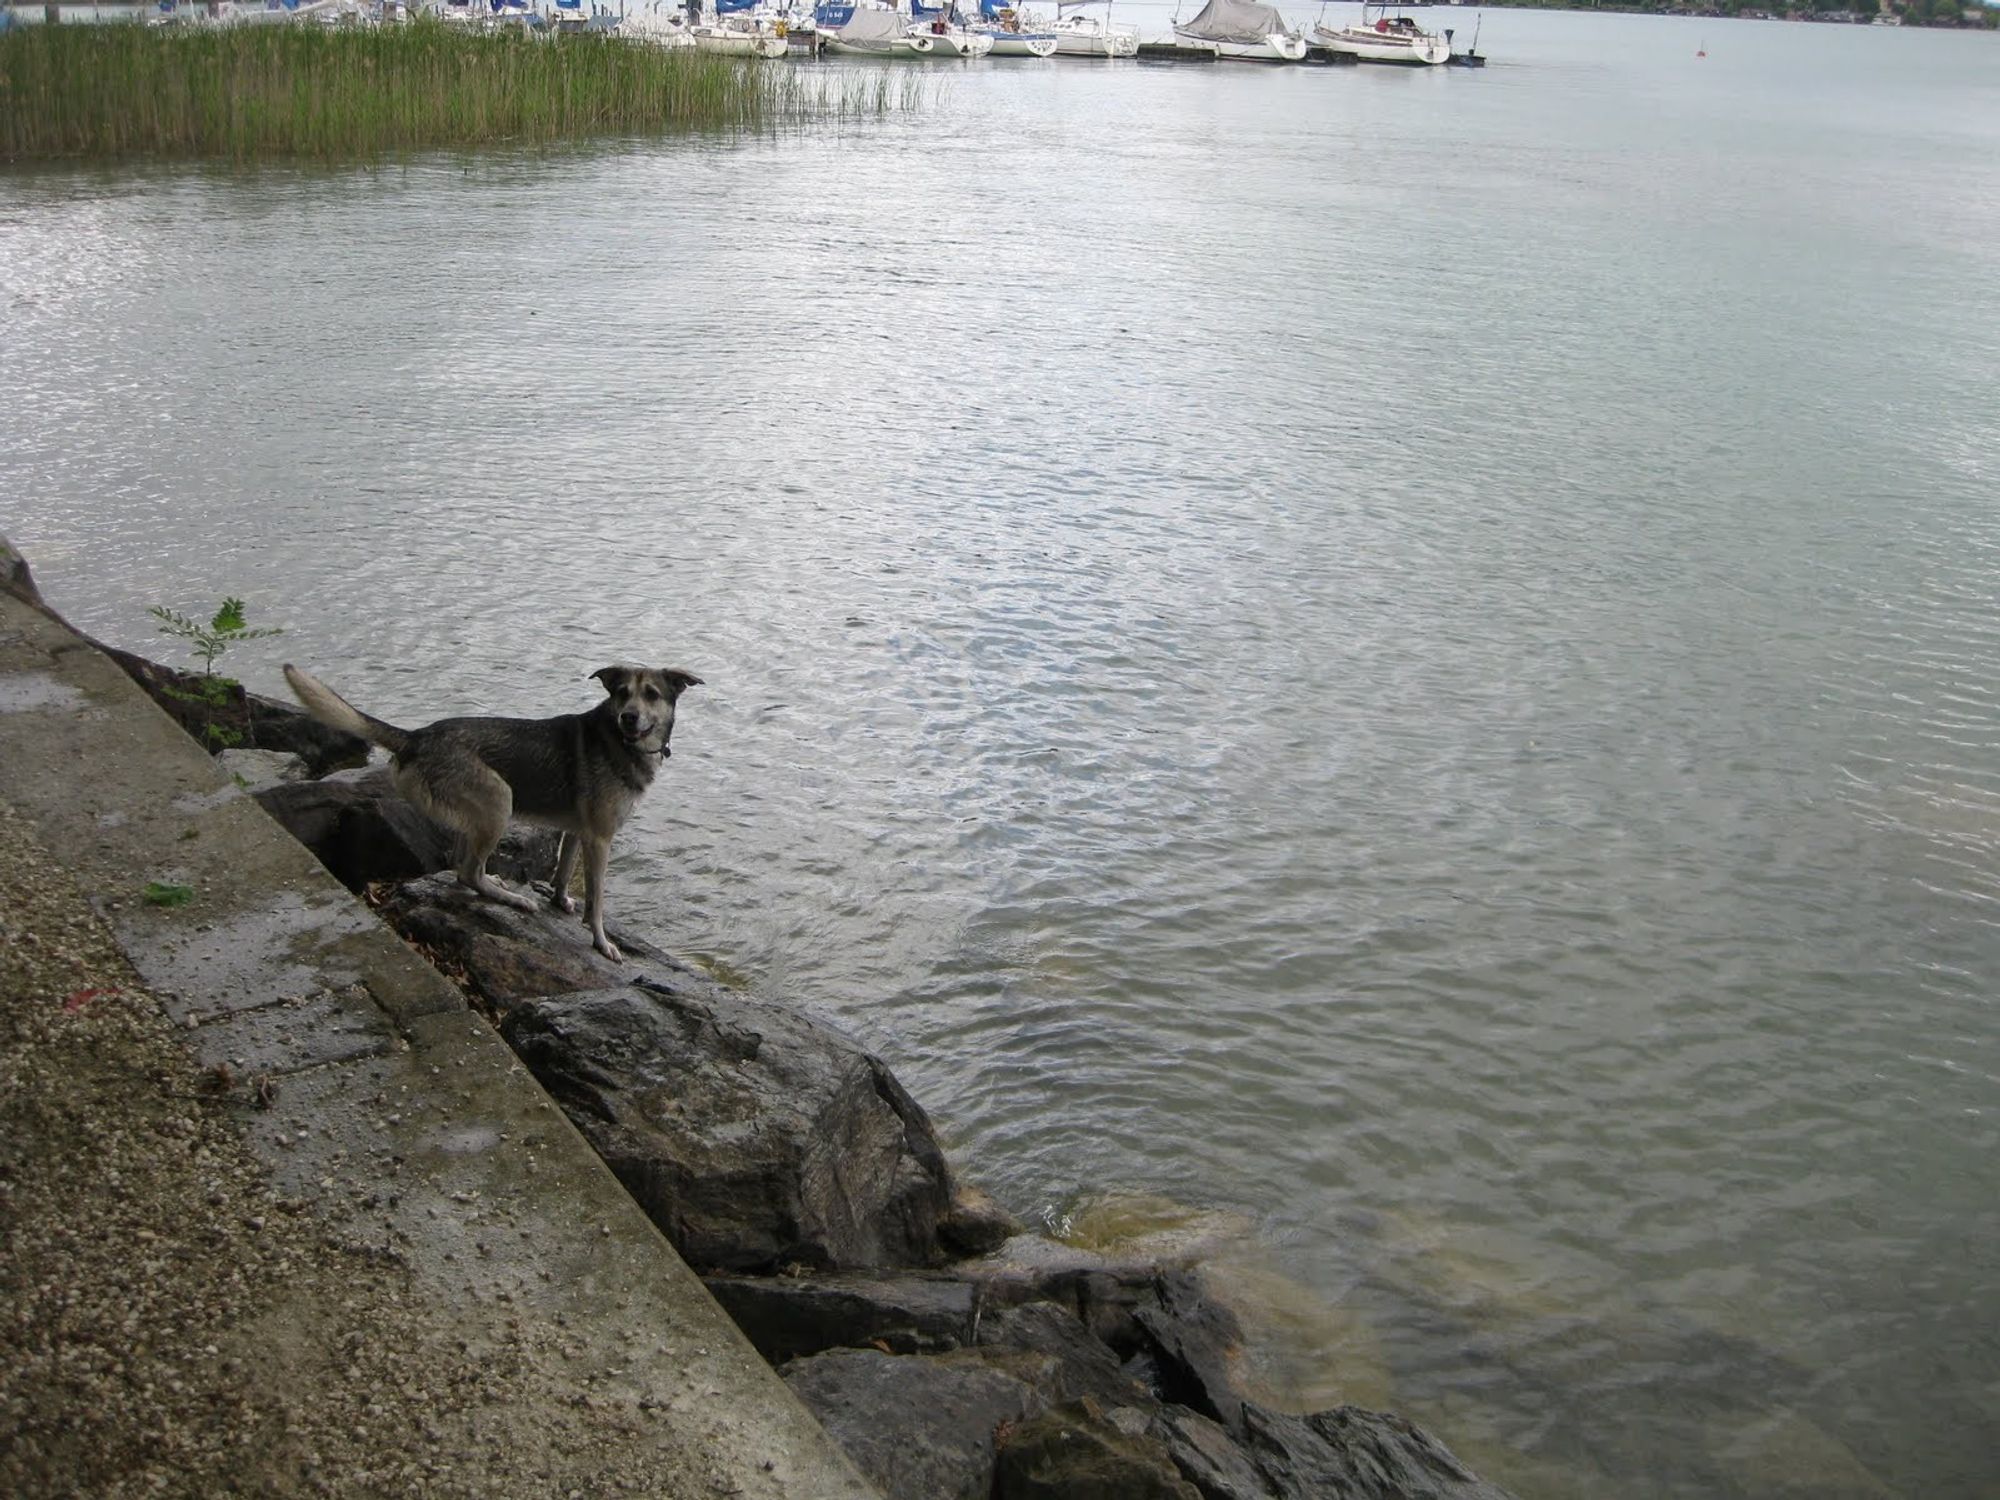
613, 678
678, 680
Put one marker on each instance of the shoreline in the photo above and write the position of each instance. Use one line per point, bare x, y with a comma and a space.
1000, 1369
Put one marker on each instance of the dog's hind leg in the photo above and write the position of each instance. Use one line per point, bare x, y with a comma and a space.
566, 852
477, 803
596, 857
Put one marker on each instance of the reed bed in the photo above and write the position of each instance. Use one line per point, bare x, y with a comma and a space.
316, 92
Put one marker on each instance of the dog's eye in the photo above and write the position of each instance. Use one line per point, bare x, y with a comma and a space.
652, 695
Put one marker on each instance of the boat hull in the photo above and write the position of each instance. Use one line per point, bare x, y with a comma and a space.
1087, 36
923, 46
948, 44
651, 28
740, 44
1023, 44
1277, 48
1420, 50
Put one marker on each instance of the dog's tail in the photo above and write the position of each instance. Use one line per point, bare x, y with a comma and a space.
324, 704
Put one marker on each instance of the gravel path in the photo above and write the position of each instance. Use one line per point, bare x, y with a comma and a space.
169, 1326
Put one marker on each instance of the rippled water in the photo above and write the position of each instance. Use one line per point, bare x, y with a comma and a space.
1412, 658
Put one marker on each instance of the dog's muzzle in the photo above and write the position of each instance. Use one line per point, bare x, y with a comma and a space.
635, 730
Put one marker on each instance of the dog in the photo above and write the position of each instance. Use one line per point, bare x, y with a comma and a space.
579, 773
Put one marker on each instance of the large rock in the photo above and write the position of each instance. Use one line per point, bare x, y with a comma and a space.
921, 1428
504, 955
757, 1139
364, 831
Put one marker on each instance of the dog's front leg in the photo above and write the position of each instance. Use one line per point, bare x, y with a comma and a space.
596, 857
566, 851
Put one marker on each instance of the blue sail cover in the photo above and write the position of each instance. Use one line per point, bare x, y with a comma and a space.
918, 10
831, 16
724, 7
991, 8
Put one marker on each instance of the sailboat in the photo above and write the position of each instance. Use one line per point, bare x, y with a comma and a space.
1385, 35
1081, 35
1014, 35
737, 31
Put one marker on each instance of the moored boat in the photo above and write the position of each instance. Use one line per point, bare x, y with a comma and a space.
1082, 35
1243, 31
949, 41
873, 32
1014, 35
1385, 35
660, 27
937, 31
737, 32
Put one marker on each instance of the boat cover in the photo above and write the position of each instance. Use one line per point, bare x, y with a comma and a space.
1235, 21
874, 26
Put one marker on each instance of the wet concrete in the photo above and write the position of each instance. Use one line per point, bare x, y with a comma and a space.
373, 1096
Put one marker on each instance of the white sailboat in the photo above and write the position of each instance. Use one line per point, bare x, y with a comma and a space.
1079, 34
1014, 34
1385, 35
738, 31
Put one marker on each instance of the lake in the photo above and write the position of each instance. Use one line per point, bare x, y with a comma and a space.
1392, 675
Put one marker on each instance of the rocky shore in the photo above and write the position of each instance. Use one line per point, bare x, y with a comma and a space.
950, 1353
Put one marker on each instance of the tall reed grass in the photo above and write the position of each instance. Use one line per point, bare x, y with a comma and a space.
312, 91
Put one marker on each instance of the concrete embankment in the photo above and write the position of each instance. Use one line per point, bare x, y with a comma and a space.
282, 1214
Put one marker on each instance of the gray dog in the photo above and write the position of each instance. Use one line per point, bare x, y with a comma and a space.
580, 773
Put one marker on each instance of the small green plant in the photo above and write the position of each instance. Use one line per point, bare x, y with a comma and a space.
168, 893
219, 695
216, 637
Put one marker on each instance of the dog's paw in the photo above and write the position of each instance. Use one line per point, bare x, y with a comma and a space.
609, 949
563, 903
